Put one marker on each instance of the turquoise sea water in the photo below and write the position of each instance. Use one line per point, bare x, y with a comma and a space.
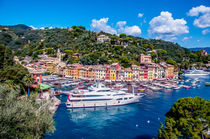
139, 120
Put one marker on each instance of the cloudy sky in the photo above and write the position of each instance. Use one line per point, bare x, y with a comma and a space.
186, 22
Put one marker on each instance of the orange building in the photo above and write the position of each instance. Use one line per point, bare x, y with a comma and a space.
170, 71
74, 70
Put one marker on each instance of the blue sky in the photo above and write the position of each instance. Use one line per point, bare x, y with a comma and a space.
173, 20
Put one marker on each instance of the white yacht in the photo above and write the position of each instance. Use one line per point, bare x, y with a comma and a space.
99, 95
196, 73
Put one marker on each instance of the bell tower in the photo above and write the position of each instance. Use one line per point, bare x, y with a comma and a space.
59, 55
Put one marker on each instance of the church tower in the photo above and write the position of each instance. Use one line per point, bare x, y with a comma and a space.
59, 55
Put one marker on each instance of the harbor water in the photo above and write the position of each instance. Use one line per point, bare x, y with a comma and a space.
139, 120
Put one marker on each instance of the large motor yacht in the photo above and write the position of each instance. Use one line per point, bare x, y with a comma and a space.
196, 73
99, 95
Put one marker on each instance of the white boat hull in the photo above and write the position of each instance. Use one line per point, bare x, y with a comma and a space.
196, 74
113, 102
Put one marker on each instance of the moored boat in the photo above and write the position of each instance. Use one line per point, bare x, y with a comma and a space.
187, 87
196, 73
100, 96
207, 84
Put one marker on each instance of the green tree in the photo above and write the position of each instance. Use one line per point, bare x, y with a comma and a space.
171, 61
6, 58
21, 118
15, 73
188, 118
69, 52
125, 62
122, 35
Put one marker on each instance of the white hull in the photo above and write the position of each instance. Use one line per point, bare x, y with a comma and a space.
112, 102
196, 74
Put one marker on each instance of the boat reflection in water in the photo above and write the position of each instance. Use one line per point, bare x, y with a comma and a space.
100, 117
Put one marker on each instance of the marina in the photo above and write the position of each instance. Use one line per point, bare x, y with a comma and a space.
105, 69
138, 120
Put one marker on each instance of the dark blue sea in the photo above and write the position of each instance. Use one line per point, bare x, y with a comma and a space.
139, 120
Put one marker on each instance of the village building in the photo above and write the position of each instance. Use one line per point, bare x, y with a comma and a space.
113, 71
168, 70
135, 72
121, 74
145, 59
128, 74
204, 52
102, 38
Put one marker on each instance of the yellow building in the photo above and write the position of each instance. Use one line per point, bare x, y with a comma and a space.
128, 75
112, 73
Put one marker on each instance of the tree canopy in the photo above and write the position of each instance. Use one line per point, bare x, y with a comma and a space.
20, 118
188, 118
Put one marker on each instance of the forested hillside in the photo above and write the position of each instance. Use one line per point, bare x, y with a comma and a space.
124, 49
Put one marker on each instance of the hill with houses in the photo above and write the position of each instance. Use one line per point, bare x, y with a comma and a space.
79, 45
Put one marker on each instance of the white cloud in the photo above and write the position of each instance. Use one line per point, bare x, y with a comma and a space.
203, 20
42, 28
195, 11
165, 27
140, 15
129, 30
51, 27
186, 38
206, 31
101, 25
33, 28
121, 23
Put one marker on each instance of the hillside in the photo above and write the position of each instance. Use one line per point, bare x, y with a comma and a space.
123, 49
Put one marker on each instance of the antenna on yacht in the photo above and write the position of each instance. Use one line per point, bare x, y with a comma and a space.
132, 88
97, 84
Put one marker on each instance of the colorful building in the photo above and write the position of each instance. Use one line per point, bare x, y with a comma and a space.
113, 71
128, 74
135, 72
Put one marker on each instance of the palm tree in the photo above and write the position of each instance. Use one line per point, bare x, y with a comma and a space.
27, 81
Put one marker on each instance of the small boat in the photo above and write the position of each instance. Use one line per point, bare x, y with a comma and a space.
187, 87
181, 82
178, 87
207, 84
194, 85
155, 88
141, 89
117, 88
82, 87
187, 80
57, 83
56, 93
